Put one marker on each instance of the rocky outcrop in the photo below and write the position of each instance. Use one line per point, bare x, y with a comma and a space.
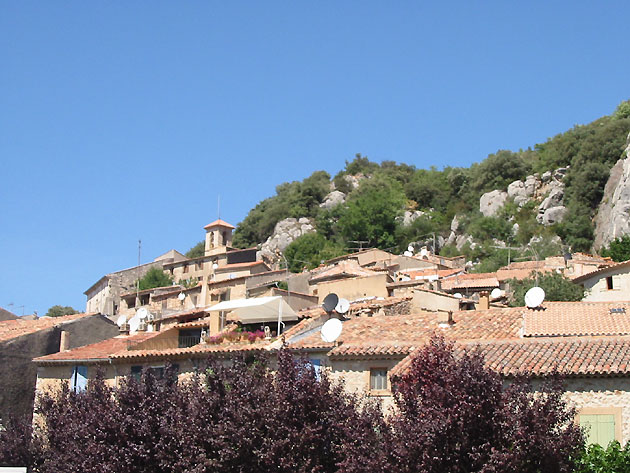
491, 202
409, 217
284, 233
523, 192
553, 215
333, 200
613, 216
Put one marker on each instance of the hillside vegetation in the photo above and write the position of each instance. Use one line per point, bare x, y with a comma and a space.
377, 196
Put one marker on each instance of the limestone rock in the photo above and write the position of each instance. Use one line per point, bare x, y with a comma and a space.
284, 233
462, 240
546, 177
554, 199
491, 202
560, 173
455, 223
613, 216
409, 217
553, 215
451, 238
333, 200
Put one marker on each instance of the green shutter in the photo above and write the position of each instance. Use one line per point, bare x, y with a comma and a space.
600, 428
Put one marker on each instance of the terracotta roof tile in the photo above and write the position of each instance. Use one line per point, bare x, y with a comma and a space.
240, 265
432, 273
471, 280
583, 318
219, 223
16, 328
343, 269
602, 271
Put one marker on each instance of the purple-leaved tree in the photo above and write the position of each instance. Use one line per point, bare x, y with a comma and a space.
455, 415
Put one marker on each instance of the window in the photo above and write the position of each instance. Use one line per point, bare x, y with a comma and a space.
189, 338
78, 382
609, 283
602, 426
317, 366
378, 379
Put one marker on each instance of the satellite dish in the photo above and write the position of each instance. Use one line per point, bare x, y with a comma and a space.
534, 297
134, 323
330, 302
331, 330
122, 320
342, 306
423, 252
410, 249
181, 296
496, 293
215, 266
408, 253
142, 313
458, 295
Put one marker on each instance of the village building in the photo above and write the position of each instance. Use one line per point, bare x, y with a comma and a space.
610, 283
588, 343
104, 296
22, 340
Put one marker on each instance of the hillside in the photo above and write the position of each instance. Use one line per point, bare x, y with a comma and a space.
542, 200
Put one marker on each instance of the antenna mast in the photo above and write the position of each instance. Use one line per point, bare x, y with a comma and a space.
219, 206
138, 280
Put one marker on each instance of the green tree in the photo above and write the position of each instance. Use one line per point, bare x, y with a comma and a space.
58, 311
556, 286
154, 277
197, 250
310, 250
622, 110
619, 249
596, 459
371, 212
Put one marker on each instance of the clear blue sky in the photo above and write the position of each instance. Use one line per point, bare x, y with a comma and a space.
124, 120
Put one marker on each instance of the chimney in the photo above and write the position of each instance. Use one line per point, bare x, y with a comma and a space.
64, 342
445, 318
484, 301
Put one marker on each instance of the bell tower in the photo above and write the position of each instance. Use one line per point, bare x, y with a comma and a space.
218, 237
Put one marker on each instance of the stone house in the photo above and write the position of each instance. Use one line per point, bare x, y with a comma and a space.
104, 295
611, 283
22, 340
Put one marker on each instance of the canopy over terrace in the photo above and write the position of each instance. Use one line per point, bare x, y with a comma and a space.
257, 310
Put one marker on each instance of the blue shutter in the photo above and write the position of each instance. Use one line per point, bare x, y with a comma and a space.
79, 378
317, 365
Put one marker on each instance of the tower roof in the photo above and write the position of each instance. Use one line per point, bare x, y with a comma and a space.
219, 223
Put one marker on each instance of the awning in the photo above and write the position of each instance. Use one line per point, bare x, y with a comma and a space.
257, 309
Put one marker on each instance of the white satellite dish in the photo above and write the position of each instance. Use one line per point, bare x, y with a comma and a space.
458, 295
122, 320
331, 330
142, 313
496, 293
215, 266
410, 249
342, 306
423, 252
181, 296
134, 323
408, 253
534, 297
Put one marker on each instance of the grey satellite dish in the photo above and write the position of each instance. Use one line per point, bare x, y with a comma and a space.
496, 293
134, 323
142, 313
534, 297
458, 295
330, 302
407, 253
181, 296
342, 306
122, 320
331, 330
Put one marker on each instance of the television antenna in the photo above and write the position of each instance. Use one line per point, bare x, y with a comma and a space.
330, 302
534, 297
342, 306
331, 330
